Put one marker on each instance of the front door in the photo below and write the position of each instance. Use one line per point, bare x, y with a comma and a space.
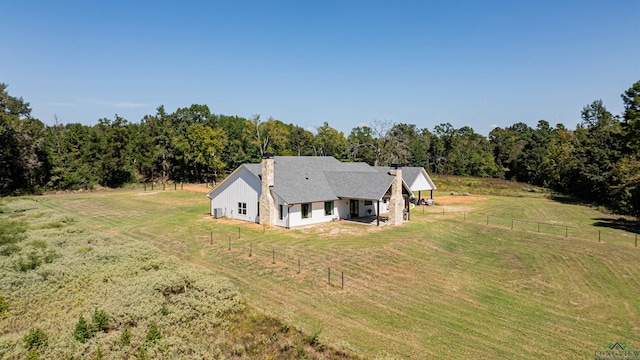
354, 209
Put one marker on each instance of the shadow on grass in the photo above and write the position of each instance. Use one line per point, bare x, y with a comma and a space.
632, 226
568, 199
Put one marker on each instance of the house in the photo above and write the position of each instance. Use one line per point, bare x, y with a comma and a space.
291, 191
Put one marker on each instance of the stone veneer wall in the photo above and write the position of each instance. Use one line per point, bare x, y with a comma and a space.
267, 204
396, 201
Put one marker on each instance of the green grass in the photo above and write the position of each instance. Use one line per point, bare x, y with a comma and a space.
438, 287
137, 301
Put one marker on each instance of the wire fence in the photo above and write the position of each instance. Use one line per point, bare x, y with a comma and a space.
586, 233
274, 253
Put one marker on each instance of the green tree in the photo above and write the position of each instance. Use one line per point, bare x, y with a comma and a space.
23, 158
631, 116
361, 145
330, 142
111, 143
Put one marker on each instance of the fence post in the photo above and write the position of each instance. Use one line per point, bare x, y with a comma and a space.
511, 224
238, 232
599, 235
145, 186
229, 243
487, 219
636, 240
152, 185
211, 238
250, 248
465, 216
343, 280
181, 183
273, 258
163, 184
566, 231
538, 227
329, 276
298, 265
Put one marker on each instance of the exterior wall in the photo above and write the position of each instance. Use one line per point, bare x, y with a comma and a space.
420, 184
245, 188
317, 214
276, 211
342, 206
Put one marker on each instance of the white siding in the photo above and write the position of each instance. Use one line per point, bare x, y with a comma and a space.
243, 187
317, 214
421, 183
285, 208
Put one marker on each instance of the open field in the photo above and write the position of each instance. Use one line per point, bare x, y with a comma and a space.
54, 270
442, 286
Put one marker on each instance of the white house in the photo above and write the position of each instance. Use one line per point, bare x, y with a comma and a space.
292, 191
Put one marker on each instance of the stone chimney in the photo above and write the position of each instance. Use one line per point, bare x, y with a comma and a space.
267, 204
396, 202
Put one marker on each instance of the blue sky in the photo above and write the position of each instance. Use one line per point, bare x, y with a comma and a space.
476, 63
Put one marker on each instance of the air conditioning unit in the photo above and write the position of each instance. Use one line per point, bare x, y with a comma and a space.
217, 213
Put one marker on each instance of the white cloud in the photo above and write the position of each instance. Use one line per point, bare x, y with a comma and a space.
493, 126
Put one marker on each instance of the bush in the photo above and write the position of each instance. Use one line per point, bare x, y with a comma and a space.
4, 305
100, 321
153, 335
82, 331
7, 250
125, 337
32, 262
36, 339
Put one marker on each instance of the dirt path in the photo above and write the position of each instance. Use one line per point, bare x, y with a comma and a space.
450, 200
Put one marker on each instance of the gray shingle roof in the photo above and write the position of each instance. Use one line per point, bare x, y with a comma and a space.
303, 179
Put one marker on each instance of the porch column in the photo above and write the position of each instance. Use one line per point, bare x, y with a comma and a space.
378, 215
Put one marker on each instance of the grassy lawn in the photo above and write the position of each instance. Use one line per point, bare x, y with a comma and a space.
58, 266
442, 286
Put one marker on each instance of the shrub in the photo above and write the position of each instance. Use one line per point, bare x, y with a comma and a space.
153, 335
82, 332
164, 310
125, 337
32, 262
36, 339
12, 231
4, 305
7, 250
50, 256
100, 321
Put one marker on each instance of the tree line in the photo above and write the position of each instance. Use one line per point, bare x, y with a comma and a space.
599, 161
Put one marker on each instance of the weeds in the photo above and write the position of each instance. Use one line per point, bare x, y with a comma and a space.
153, 335
82, 332
4, 306
35, 340
100, 321
125, 337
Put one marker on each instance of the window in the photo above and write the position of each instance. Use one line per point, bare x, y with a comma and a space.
368, 202
306, 211
280, 211
328, 208
242, 208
